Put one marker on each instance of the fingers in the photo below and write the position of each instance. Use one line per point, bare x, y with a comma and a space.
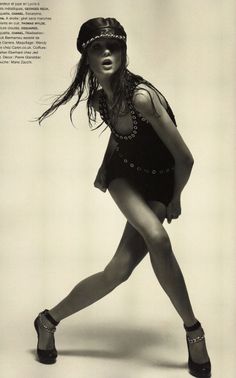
172, 212
170, 217
169, 214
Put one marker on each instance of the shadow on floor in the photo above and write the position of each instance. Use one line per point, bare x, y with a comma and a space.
119, 342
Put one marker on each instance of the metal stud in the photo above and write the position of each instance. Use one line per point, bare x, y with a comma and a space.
110, 35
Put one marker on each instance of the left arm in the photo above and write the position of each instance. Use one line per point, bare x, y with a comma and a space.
148, 104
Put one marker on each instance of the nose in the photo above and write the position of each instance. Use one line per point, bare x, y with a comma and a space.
107, 51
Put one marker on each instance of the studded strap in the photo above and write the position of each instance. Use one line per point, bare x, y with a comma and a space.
150, 171
50, 318
196, 339
45, 326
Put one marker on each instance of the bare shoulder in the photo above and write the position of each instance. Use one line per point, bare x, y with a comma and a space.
146, 100
95, 100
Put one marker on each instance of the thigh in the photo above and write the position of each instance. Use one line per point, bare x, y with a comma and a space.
132, 247
130, 251
159, 208
142, 215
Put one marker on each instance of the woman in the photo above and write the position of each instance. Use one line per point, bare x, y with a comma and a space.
145, 168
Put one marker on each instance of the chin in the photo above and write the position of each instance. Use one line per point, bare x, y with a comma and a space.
109, 72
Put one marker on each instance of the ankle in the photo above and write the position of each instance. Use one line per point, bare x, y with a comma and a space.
50, 317
47, 321
195, 326
195, 333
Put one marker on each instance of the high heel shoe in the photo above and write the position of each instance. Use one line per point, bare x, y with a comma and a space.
199, 370
46, 356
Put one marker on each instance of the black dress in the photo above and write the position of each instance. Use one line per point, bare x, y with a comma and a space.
140, 156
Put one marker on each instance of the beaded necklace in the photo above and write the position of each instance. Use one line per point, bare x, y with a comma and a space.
103, 109
135, 115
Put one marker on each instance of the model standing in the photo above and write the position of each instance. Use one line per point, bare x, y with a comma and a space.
145, 168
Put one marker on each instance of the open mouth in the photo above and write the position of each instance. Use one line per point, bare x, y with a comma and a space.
107, 62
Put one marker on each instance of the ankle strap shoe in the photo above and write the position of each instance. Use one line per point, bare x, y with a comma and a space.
46, 356
197, 370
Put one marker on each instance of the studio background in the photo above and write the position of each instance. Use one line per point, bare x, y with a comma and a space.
56, 228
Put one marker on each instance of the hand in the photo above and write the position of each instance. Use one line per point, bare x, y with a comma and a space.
173, 209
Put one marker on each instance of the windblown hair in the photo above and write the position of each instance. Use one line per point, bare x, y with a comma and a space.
85, 83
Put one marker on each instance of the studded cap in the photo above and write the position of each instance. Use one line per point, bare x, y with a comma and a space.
99, 27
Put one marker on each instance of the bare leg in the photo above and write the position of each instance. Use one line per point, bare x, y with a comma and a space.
170, 277
143, 218
130, 252
172, 281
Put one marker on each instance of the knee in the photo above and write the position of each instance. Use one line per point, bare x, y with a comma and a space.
117, 272
158, 241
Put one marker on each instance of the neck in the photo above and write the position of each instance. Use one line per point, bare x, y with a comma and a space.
106, 86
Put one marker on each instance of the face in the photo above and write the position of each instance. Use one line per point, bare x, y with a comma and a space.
104, 56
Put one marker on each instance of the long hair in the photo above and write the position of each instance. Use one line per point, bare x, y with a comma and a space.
86, 83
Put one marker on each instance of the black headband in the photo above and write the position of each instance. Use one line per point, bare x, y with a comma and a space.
97, 28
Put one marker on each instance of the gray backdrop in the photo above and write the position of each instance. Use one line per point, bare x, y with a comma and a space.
57, 229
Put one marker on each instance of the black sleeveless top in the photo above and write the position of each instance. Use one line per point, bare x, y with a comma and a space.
141, 149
